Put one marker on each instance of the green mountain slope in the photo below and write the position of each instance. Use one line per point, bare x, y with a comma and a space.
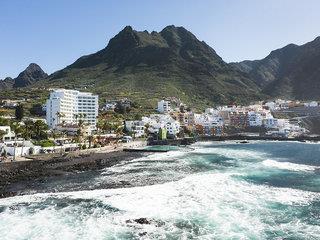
292, 71
147, 66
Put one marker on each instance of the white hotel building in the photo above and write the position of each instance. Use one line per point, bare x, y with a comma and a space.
69, 106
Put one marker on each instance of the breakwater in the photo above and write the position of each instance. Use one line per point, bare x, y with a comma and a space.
188, 141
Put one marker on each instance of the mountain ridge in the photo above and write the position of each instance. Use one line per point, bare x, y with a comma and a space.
151, 65
291, 72
30, 75
172, 62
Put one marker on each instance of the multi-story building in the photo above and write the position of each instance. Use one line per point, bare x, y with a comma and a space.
70, 106
164, 106
254, 119
239, 119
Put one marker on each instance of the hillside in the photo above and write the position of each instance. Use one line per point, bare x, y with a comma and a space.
291, 72
147, 66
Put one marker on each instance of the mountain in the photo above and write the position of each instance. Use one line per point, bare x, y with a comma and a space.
30, 75
292, 71
147, 66
6, 83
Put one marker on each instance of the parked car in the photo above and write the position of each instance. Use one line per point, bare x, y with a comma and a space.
126, 139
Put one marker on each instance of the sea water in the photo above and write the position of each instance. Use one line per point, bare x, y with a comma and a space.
211, 190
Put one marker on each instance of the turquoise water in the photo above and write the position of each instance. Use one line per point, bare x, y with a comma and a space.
260, 190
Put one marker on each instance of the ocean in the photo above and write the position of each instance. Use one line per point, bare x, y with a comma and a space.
209, 190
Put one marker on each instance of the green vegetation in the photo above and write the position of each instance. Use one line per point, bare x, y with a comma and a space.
36, 110
44, 143
19, 112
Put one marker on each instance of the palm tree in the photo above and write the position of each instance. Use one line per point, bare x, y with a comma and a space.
90, 139
59, 116
76, 116
40, 129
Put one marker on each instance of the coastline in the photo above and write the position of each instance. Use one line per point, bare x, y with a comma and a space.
39, 169
14, 176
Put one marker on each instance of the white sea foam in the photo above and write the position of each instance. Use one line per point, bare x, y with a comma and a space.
288, 166
229, 207
212, 205
240, 154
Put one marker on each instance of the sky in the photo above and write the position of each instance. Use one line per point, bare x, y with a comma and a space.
55, 33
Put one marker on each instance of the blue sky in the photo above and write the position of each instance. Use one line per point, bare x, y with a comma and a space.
56, 33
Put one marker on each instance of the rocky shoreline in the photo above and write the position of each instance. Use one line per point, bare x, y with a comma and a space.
13, 173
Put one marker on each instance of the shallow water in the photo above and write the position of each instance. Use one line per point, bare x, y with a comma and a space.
261, 190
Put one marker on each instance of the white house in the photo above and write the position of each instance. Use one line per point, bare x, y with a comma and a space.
19, 148
173, 127
110, 105
164, 106
271, 105
9, 135
136, 127
71, 106
157, 121
270, 122
311, 104
254, 119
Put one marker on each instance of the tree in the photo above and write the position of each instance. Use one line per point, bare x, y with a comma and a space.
37, 110
19, 112
27, 129
4, 122
2, 133
40, 130
137, 116
122, 108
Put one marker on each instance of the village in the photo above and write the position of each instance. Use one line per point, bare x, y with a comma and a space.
74, 122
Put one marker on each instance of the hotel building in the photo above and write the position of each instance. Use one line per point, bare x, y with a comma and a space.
70, 106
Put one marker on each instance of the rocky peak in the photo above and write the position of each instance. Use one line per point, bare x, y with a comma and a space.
31, 74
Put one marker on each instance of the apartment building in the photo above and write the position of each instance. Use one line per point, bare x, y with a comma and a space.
70, 106
164, 106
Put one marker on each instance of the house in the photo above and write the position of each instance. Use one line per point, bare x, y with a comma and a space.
254, 119
271, 105
110, 105
136, 127
270, 122
19, 148
9, 135
156, 122
311, 104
